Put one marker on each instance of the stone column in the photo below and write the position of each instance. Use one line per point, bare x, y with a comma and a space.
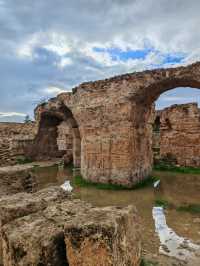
76, 148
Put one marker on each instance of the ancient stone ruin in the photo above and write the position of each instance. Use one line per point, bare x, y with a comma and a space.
111, 123
14, 139
176, 135
49, 227
105, 128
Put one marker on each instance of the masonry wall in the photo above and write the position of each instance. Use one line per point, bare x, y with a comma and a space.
65, 141
17, 139
14, 138
113, 119
179, 137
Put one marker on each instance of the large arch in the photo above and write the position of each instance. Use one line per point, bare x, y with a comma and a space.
115, 118
147, 97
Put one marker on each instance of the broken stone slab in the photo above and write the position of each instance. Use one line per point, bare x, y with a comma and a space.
73, 233
22, 204
12, 183
104, 236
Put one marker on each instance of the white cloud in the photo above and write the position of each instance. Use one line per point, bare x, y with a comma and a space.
169, 27
52, 90
64, 62
51, 41
58, 43
9, 114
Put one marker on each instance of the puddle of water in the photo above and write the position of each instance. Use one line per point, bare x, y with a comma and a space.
173, 228
171, 244
52, 175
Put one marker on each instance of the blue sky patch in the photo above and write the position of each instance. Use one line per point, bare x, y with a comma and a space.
118, 54
173, 58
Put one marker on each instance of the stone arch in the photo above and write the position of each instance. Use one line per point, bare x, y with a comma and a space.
48, 143
116, 117
149, 94
145, 102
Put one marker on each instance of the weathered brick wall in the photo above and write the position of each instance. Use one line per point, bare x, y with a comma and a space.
65, 141
179, 136
17, 139
14, 138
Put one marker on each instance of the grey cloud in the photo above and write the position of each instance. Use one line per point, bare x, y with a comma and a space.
169, 26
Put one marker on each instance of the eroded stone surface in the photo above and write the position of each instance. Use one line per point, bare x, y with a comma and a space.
104, 236
39, 238
15, 182
22, 204
14, 139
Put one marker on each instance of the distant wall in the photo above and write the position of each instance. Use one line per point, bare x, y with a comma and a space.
177, 135
14, 139
17, 139
65, 141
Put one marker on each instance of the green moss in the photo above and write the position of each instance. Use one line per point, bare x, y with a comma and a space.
191, 208
80, 182
145, 262
23, 160
173, 168
162, 203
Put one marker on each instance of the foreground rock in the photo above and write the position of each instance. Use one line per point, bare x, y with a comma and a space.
107, 236
46, 229
21, 178
15, 182
22, 204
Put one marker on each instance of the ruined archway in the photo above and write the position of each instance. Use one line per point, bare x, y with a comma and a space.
58, 135
115, 119
148, 96
178, 140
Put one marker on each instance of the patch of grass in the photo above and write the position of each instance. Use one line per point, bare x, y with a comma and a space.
162, 203
145, 262
174, 168
80, 182
23, 160
191, 208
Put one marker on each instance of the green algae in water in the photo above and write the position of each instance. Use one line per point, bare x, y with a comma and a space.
191, 208
177, 169
145, 262
80, 182
162, 203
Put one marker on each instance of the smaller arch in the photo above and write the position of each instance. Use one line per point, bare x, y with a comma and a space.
58, 136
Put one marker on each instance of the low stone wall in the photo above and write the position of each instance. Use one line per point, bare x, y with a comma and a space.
177, 135
14, 139
17, 139
49, 227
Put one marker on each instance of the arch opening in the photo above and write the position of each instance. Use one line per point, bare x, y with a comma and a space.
150, 94
58, 137
176, 128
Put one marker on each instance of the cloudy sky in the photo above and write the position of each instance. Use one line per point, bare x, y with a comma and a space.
49, 46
